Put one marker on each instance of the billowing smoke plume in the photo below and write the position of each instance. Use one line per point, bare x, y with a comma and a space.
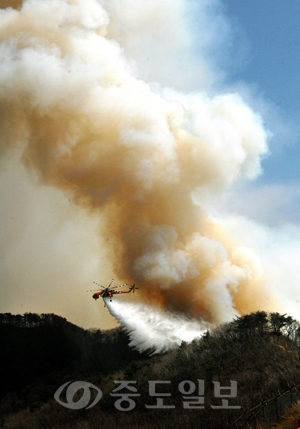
146, 157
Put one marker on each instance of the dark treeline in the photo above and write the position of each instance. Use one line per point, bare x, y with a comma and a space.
263, 323
34, 346
259, 351
31, 320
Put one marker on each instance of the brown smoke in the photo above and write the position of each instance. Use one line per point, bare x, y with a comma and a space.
145, 157
15, 4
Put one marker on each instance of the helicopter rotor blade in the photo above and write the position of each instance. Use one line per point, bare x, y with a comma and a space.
133, 288
108, 288
98, 284
124, 284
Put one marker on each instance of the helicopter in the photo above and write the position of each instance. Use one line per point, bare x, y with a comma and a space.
109, 292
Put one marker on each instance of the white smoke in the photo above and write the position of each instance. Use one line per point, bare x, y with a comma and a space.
153, 330
78, 101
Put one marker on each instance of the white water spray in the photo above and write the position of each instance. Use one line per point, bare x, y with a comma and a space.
153, 330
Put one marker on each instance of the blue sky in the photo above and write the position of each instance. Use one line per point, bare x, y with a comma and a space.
251, 46
267, 33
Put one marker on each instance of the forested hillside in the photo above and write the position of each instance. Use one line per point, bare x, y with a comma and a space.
243, 374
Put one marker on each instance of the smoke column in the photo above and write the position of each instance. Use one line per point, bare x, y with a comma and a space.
143, 156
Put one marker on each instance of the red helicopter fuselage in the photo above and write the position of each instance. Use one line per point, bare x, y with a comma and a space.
107, 292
